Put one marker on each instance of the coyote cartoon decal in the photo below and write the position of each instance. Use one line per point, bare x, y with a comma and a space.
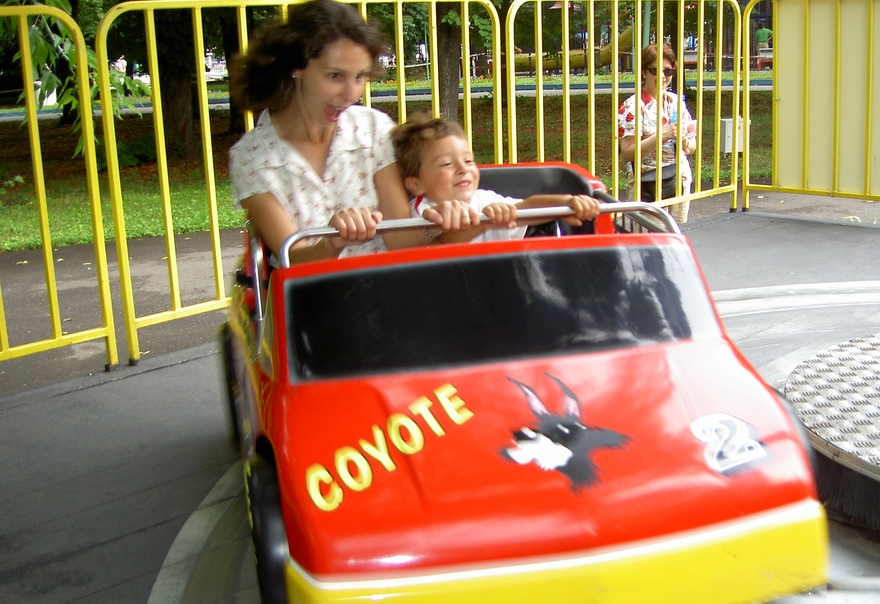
561, 442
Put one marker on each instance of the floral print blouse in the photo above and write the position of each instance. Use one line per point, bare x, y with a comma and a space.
260, 162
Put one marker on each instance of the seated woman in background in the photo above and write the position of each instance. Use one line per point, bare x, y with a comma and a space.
657, 72
315, 158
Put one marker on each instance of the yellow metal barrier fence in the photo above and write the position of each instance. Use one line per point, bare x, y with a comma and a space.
825, 99
177, 309
149, 9
715, 42
717, 28
59, 337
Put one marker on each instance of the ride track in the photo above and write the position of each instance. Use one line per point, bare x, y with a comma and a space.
111, 443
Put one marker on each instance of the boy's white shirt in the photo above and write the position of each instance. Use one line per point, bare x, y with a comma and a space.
481, 198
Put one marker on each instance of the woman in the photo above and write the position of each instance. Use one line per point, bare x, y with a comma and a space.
657, 72
315, 158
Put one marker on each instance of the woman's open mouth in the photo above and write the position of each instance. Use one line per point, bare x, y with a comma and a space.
332, 113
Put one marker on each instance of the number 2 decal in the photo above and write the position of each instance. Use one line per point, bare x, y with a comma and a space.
729, 442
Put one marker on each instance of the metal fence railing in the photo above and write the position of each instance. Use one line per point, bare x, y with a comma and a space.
16, 342
826, 99
545, 84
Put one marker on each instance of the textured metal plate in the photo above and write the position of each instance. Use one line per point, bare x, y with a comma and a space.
836, 394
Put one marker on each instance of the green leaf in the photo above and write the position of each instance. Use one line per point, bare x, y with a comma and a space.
40, 51
11, 182
49, 81
68, 96
60, 4
52, 46
451, 18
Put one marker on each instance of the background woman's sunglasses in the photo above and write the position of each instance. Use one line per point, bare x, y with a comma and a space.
667, 72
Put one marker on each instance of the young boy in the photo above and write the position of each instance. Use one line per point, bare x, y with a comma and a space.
437, 165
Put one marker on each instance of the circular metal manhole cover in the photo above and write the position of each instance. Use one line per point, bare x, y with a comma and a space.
836, 394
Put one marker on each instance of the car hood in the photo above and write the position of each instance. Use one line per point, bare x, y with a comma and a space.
529, 458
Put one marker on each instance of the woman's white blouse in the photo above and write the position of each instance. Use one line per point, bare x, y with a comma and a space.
260, 162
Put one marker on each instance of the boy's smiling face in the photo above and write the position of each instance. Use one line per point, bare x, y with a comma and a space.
447, 171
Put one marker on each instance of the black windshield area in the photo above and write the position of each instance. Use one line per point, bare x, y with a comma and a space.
481, 309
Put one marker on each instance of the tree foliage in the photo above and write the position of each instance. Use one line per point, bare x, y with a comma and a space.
54, 61
8, 183
53, 53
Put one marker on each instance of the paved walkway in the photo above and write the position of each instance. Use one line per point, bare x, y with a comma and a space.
24, 297
103, 471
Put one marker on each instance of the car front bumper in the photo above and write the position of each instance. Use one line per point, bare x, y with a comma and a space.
755, 558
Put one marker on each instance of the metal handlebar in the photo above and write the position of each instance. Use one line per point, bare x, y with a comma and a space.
403, 224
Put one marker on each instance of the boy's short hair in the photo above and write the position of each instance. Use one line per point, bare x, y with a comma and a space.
411, 137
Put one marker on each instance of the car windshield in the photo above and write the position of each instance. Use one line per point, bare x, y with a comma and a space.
493, 308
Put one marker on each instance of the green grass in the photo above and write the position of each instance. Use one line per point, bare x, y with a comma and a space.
602, 77
585, 134
68, 200
216, 91
69, 212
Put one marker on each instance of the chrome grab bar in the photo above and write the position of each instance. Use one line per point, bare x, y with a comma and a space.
666, 220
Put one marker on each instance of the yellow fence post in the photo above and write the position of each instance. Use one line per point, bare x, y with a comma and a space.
176, 310
824, 131
827, 156
646, 23
106, 330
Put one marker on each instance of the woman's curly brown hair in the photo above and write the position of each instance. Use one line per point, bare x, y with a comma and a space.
261, 79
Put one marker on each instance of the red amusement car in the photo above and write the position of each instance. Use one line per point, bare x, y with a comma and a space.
555, 419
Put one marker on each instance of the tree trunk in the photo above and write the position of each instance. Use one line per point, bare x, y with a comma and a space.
448, 61
64, 72
500, 70
229, 29
177, 76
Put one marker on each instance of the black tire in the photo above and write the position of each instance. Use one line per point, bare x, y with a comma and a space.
233, 390
267, 530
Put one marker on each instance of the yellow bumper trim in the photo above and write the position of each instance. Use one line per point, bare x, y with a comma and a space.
759, 558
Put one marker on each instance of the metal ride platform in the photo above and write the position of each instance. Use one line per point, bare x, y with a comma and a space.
836, 394
134, 475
